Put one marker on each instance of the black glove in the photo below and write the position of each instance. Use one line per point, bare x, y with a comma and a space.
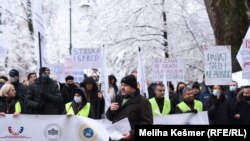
41, 102
194, 111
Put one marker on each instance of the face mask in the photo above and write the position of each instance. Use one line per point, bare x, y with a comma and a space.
70, 85
216, 92
232, 88
247, 98
77, 99
45, 77
12, 79
189, 100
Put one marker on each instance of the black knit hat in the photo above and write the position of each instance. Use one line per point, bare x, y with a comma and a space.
13, 73
69, 77
196, 85
130, 80
43, 69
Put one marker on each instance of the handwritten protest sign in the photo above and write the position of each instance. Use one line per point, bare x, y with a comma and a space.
57, 71
172, 67
218, 65
87, 57
246, 59
76, 73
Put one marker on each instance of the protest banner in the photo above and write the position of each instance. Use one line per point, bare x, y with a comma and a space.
57, 72
51, 128
218, 65
87, 57
200, 118
245, 52
172, 67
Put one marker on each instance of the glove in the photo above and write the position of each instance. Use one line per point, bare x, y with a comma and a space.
40, 104
194, 111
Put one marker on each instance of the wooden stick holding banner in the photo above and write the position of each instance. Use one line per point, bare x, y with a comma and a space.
40, 49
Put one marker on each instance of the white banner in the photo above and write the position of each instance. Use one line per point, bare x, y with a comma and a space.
76, 73
37, 16
166, 94
172, 67
104, 81
57, 72
218, 65
141, 77
200, 118
72, 69
39, 26
246, 59
52, 128
246, 68
87, 57
241, 51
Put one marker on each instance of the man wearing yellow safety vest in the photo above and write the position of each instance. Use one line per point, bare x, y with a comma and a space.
188, 103
159, 104
9, 103
79, 105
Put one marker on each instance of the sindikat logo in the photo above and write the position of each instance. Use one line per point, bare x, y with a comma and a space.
88, 133
15, 133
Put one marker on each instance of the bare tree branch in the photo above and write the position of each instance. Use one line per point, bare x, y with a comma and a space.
13, 14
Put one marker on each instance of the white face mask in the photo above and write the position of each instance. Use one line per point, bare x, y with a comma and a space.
77, 99
216, 92
232, 88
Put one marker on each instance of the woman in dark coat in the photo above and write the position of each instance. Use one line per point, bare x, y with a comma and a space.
219, 111
96, 100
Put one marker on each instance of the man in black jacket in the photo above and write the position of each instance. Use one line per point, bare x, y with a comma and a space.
43, 96
242, 108
131, 105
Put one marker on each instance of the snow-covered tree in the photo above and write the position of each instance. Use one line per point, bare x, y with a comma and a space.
124, 25
17, 36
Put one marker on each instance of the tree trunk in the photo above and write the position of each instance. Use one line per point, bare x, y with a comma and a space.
229, 22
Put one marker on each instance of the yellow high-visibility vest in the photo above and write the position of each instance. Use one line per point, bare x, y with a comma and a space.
156, 110
18, 107
83, 112
184, 107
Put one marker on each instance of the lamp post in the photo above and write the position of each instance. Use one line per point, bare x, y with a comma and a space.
70, 28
